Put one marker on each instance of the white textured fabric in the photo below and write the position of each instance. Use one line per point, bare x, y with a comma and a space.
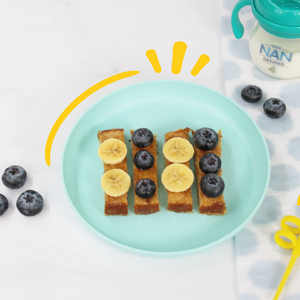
260, 262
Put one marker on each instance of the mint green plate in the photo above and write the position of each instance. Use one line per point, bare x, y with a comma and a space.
163, 106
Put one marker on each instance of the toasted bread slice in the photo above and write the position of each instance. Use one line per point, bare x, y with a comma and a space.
208, 205
150, 205
114, 205
181, 201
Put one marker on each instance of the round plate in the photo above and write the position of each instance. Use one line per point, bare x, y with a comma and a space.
164, 106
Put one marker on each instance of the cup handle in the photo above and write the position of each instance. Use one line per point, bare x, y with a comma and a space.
237, 26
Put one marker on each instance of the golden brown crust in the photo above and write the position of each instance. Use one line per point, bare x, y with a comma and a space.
208, 205
114, 205
145, 208
150, 205
182, 201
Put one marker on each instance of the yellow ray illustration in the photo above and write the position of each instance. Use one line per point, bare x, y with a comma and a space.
200, 64
179, 49
152, 56
77, 101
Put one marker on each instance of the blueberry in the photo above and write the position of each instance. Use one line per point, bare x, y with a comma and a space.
142, 137
30, 203
145, 188
143, 160
3, 204
274, 108
251, 93
212, 185
210, 163
14, 177
206, 139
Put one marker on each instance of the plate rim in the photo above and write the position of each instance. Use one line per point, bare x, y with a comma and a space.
167, 253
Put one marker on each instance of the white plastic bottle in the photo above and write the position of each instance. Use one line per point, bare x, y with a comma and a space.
275, 39
275, 56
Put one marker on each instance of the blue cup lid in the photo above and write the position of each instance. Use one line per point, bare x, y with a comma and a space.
280, 12
278, 17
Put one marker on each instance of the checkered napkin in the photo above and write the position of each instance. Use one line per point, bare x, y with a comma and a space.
260, 261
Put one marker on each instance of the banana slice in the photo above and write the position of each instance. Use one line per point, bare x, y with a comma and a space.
112, 151
115, 182
178, 150
177, 178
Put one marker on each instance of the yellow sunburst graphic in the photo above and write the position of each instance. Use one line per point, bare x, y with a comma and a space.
179, 50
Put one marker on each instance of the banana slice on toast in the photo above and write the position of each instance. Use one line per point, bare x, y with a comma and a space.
115, 182
177, 178
112, 151
178, 150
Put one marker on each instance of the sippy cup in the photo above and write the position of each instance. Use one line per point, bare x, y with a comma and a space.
275, 39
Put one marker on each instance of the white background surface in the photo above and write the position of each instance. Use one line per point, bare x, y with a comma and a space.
51, 51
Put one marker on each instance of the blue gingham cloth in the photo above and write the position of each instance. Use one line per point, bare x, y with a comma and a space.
260, 261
